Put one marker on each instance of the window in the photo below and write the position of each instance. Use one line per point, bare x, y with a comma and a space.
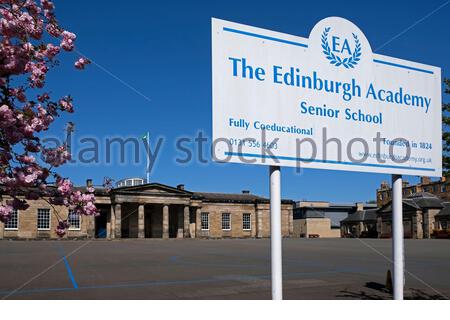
13, 222
226, 221
74, 220
43, 219
246, 221
205, 220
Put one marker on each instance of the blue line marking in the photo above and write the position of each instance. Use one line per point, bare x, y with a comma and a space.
255, 35
164, 283
69, 270
324, 161
402, 66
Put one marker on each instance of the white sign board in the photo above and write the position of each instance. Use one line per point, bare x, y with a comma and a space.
325, 102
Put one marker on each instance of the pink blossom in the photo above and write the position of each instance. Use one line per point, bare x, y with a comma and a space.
19, 93
18, 204
81, 63
67, 42
57, 156
5, 213
27, 159
38, 72
66, 104
53, 30
26, 58
47, 5
51, 51
7, 118
62, 227
64, 186
43, 97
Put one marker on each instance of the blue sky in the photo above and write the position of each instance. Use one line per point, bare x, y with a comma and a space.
162, 50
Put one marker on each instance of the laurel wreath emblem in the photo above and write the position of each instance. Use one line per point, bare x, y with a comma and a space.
349, 62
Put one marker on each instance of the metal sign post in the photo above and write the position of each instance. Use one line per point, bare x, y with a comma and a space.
397, 237
275, 233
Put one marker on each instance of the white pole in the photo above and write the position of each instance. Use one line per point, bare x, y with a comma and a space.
275, 233
397, 237
148, 157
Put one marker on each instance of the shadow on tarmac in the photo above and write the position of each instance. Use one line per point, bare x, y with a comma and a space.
383, 293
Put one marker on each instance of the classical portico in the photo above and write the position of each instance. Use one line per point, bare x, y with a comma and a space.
151, 211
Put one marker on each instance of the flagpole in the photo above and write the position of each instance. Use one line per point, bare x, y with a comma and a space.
148, 157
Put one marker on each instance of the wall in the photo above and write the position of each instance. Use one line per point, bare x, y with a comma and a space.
236, 211
258, 212
27, 228
320, 226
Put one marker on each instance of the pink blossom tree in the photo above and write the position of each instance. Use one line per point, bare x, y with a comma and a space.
30, 41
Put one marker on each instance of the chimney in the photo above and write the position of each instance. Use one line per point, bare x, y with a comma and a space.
245, 191
425, 180
89, 183
359, 206
180, 187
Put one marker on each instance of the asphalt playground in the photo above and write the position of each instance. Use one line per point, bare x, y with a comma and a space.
217, 269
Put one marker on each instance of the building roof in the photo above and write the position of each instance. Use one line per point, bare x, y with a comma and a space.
234, 197
426, 200
445, 211
362, 216
313, 213
332, 205
417, 201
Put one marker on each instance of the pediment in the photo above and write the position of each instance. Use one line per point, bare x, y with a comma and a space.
152, 189
407, 206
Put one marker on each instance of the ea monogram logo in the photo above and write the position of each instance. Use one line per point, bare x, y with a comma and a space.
342, 51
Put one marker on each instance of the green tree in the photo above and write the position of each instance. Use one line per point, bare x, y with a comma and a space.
445, 131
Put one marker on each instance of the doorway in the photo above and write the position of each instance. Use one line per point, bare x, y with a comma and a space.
100, 225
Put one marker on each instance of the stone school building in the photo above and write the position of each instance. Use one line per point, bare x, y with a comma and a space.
424, 216
154, 210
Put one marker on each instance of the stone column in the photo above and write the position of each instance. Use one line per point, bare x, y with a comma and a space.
186, 222
165, 221
141, 221
108, 225
91, 226
426, 225
259, 231
379, 226
2, 230
360, 228
421, 224
112, 232
118, 213
291, 222
180, 223
198, 224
